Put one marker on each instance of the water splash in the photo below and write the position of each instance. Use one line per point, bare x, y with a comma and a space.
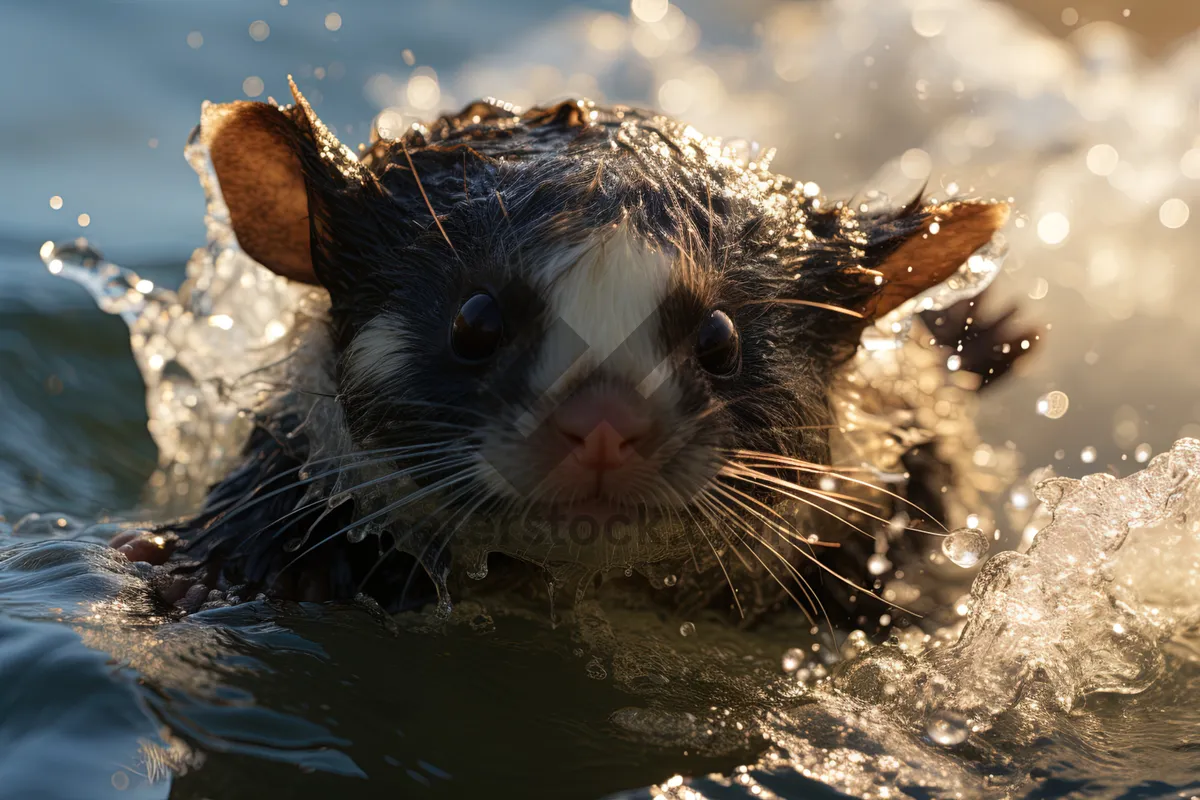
1085, 612
197, 395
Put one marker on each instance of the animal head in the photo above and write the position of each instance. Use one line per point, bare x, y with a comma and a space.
575, 309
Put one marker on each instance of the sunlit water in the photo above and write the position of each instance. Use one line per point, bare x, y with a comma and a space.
1070, 667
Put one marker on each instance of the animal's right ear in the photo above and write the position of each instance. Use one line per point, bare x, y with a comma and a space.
277, 168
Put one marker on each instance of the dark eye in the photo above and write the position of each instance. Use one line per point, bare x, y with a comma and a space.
717, 346
477, 329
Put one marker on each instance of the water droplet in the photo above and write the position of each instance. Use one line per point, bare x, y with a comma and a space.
929, 20
423, 91
445, 605
1019, 497
1053, 228
878, 564
965, 546
792, 659
479, 569
1088, 455
1053, 405
1052, 490
1174, 213
947, 728
687, 629
1102, 159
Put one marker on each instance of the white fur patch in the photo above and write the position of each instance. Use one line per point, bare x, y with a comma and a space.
379, 354
604, 290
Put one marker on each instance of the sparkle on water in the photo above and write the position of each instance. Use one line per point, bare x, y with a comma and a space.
1053, 405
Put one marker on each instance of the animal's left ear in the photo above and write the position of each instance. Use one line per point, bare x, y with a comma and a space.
924, 245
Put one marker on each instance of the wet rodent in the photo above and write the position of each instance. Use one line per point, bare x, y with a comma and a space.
571, 314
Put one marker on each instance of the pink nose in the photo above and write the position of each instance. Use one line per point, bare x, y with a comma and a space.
602, 428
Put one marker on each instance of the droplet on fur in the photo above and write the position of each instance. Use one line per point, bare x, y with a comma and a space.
947, 728
965, 546
478, 568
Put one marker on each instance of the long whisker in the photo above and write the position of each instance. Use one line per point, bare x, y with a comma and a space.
805, 466
396, 541
805, 501
858, 501
325, 460
388, 509
842, 578
791, 568
695, 525
802, 581
392, 454
785, 301
796, 463
790, 531
725, 570
417, 470
769, 481
425, 197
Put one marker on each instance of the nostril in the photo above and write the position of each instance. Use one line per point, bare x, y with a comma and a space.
570, 436
630, 443
603, 430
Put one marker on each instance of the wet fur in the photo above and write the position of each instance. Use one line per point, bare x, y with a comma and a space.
484, 198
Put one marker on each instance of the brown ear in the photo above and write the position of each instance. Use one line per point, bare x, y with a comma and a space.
254, 150
943, 237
